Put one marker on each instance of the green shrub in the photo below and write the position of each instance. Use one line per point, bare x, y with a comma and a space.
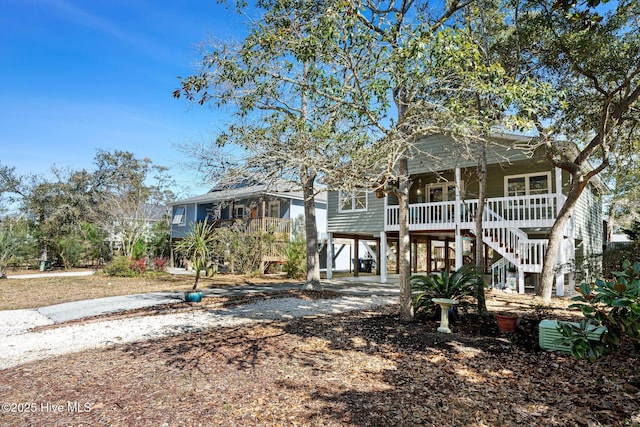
614, 304
242, 251
296, 251
120, 267
613, 259
456, 285
139, 250
296, 264
579, 339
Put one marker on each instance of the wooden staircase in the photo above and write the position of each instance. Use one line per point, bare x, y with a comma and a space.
515, 247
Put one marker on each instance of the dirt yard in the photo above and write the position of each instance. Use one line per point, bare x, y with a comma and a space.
43, 291
361, 368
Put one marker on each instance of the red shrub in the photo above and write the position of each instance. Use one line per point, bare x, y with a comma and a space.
160, 264
139, 266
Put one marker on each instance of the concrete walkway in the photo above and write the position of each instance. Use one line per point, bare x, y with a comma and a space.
23, 342
68, 311
61, 274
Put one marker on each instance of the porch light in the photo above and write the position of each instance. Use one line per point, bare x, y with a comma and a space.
466, 245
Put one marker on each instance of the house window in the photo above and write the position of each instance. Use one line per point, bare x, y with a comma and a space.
179, 216
274, 209
527, 185
352, 201
441, 193
238, 211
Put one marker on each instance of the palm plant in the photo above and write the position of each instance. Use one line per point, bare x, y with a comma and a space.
458, 284
198, 246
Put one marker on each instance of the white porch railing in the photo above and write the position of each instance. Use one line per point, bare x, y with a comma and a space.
520, 212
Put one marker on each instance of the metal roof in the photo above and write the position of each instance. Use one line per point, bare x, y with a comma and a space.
221, 194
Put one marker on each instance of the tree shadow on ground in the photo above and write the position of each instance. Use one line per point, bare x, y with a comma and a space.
368, 368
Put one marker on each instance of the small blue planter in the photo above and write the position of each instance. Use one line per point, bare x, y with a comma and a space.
193, 296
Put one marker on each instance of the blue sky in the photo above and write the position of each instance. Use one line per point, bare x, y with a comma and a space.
82, 75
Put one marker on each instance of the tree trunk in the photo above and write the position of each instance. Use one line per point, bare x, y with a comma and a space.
555, 238
479, 255
195, 283
311, 234
406, 308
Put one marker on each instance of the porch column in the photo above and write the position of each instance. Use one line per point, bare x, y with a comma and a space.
429, 260
560, 262
520, 281
377, 270
560, 283
559, 195
329, 255
382, 257
356, 257
458, 244
563, 249
562, 258
414, 255
457, 213
447, 261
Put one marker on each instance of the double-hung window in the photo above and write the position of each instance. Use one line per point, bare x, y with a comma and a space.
529, 190
441, 192
352, 201
528, 184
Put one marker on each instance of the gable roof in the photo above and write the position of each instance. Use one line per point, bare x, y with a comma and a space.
246, 190
440, 153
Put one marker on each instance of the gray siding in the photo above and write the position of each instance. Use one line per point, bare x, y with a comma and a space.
369, 221
438, 153
588, 220
495, 179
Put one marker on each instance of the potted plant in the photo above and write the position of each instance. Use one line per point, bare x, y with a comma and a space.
507, 321
197, 246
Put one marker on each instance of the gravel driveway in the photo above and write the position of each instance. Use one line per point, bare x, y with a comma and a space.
21, 344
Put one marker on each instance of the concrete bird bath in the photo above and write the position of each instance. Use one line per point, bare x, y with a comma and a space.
444, 304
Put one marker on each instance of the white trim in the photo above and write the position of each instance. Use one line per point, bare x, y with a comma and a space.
235, 211
330, 256
354, 196
445, 190
458, 235
382, 254
559, 195
527, 177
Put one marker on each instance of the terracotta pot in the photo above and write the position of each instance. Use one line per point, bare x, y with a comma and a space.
507, 322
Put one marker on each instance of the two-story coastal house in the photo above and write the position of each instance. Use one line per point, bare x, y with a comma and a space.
524, 195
